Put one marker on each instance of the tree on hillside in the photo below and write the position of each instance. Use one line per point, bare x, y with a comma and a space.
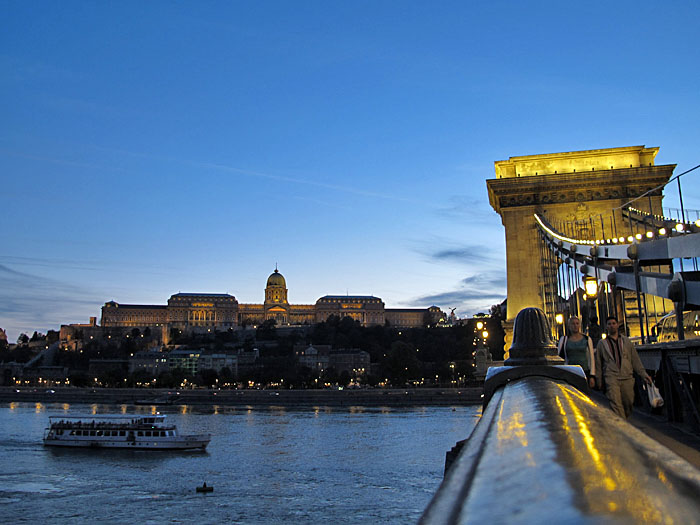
402, 363
266, 331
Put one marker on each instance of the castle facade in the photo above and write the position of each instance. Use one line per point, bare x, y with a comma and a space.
196, 312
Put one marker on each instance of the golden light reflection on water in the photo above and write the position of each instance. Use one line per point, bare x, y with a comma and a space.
13, 405
66, 406
93, 409
123, 409
185, 409
38, 408
216, 409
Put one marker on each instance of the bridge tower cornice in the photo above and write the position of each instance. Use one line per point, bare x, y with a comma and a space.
561, 188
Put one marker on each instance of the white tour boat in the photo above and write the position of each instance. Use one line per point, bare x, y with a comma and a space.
135, 432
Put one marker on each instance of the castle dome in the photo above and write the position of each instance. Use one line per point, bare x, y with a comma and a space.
276, 279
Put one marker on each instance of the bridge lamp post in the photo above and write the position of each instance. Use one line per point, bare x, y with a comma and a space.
591, 286
559, 319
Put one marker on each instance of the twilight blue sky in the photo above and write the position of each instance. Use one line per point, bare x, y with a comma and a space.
148, 148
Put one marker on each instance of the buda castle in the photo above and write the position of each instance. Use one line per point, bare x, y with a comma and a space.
196, 312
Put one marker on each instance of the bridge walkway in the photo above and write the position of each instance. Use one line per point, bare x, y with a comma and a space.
673, 437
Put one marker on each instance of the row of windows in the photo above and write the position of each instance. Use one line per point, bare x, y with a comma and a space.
115, 433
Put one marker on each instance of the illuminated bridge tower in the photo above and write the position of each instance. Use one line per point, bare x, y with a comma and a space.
580, 192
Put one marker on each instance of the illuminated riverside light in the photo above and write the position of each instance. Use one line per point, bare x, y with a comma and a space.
679, 227
697, 223
638, 236
614, 240
650, 235
630, 239
621, 239
559, 318
662, 231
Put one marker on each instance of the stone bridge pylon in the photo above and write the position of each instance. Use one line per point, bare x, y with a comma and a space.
581, 193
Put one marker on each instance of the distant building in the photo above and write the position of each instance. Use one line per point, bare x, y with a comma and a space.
322, 357
153, 362
202, 312
314, 357
351, 360
184, 358
73, 335
219, 361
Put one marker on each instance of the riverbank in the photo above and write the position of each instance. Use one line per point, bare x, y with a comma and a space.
352, 397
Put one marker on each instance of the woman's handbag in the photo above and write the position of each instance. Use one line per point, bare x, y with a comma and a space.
655, 399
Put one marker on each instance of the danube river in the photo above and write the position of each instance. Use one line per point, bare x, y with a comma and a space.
268, 465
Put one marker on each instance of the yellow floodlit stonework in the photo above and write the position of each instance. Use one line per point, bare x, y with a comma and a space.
576, 161
585, 188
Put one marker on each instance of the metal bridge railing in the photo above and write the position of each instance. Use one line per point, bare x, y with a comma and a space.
544, 451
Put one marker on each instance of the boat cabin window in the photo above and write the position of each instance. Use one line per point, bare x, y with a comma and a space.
122, 433
140, 432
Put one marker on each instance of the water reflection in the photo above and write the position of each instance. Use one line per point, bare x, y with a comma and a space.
277, 465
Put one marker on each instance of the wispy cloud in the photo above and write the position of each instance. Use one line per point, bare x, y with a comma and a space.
83, 265
486, 280
30, 302
469, 254
305, 182
217, 167
469, 208
474, 293
465, 254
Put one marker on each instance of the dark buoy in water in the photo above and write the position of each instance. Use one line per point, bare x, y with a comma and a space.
205, 488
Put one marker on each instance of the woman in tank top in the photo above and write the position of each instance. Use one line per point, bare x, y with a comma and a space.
577, 349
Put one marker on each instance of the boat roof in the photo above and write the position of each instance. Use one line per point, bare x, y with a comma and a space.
121, 417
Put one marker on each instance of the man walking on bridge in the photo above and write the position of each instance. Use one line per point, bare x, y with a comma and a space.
615, 361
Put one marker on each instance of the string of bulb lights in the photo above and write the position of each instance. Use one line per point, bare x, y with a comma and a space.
655, 226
